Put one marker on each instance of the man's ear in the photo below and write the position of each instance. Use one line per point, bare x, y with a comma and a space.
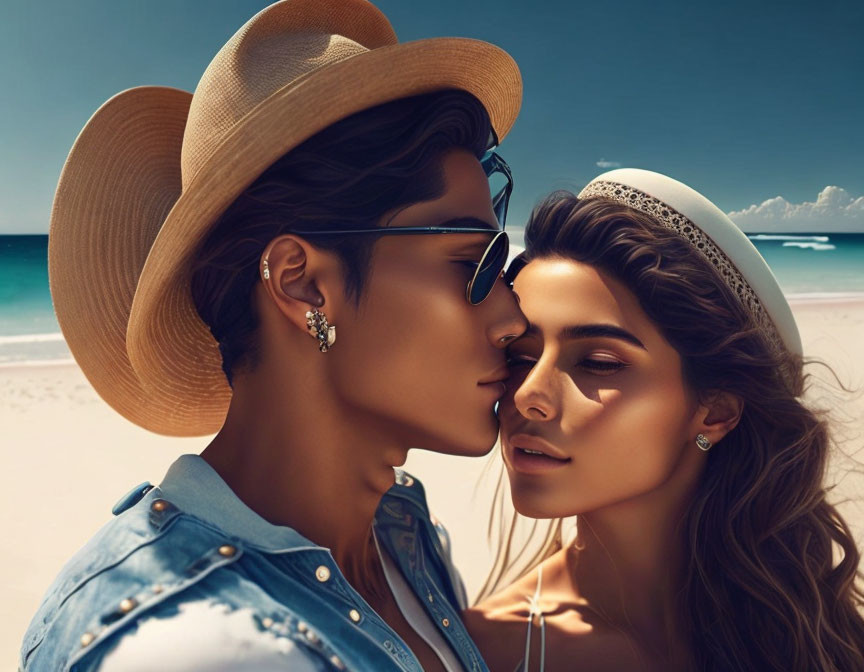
718, 414
293, 265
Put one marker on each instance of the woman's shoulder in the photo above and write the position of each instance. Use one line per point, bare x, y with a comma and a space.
573, 629
511, 603
499, 623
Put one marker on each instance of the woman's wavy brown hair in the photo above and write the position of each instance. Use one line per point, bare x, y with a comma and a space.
771, 580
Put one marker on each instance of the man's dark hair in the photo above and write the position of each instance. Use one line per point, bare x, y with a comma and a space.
344, 177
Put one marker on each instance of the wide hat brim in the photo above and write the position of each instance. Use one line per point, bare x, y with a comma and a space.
734, 256
123, 230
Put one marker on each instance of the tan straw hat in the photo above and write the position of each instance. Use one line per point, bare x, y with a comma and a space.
155, 167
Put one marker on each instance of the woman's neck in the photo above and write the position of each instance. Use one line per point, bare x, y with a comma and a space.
629, 559
627, 563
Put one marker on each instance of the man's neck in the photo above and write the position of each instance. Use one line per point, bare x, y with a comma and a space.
297, 460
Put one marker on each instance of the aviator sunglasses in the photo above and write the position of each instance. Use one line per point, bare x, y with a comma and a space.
494, 257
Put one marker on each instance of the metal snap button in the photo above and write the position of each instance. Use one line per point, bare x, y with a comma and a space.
227, 550
445, 622
159, 505
322, 573
128, 605
87, 638
354, 615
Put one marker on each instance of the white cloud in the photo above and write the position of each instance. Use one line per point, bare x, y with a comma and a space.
833, 211
603, 163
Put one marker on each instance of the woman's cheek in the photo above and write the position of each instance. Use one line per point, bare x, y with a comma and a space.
629, 426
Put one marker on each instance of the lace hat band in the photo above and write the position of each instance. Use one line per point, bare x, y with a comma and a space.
709, 230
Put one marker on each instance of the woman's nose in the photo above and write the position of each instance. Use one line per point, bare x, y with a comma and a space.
536, 398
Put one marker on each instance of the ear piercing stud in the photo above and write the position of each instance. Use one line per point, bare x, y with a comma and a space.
316, 321
266, 270
703, 443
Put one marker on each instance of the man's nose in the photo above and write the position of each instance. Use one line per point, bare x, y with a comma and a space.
508, 322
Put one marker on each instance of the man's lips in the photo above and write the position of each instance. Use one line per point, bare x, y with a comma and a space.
498, 376
497, 389
495, 382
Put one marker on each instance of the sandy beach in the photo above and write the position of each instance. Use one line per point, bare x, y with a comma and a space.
67, 457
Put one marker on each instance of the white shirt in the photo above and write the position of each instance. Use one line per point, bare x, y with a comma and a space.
416, 615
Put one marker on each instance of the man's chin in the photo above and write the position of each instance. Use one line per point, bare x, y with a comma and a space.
458, 437
479, 445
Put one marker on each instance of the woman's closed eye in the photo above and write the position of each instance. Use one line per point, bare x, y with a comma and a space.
605, 365
602, 364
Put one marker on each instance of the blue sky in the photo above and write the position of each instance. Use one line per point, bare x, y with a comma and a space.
743, 101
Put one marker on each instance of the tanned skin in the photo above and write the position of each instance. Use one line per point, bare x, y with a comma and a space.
629, 465
311, 438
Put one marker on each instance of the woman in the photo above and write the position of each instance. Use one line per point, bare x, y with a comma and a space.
264, 261
656, 395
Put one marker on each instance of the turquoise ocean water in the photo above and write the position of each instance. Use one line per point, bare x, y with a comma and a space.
818, 266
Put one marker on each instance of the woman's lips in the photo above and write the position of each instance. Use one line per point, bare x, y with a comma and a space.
532, 455
528, 463
535, 444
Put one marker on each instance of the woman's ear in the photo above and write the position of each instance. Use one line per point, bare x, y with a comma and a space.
718, 414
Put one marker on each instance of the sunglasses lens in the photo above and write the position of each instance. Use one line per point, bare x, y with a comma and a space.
489, 269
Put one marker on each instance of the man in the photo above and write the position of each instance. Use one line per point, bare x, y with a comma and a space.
324, 181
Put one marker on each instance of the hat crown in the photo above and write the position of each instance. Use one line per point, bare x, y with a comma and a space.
275, 49
717, 238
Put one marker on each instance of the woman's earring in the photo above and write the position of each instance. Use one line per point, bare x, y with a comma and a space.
703, 443
320, 329
266, 270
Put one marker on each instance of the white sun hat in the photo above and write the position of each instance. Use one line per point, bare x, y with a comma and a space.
687, 212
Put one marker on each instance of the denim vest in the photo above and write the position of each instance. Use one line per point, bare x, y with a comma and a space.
191, 539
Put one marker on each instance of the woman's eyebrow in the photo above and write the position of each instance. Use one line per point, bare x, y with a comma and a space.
592, 331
